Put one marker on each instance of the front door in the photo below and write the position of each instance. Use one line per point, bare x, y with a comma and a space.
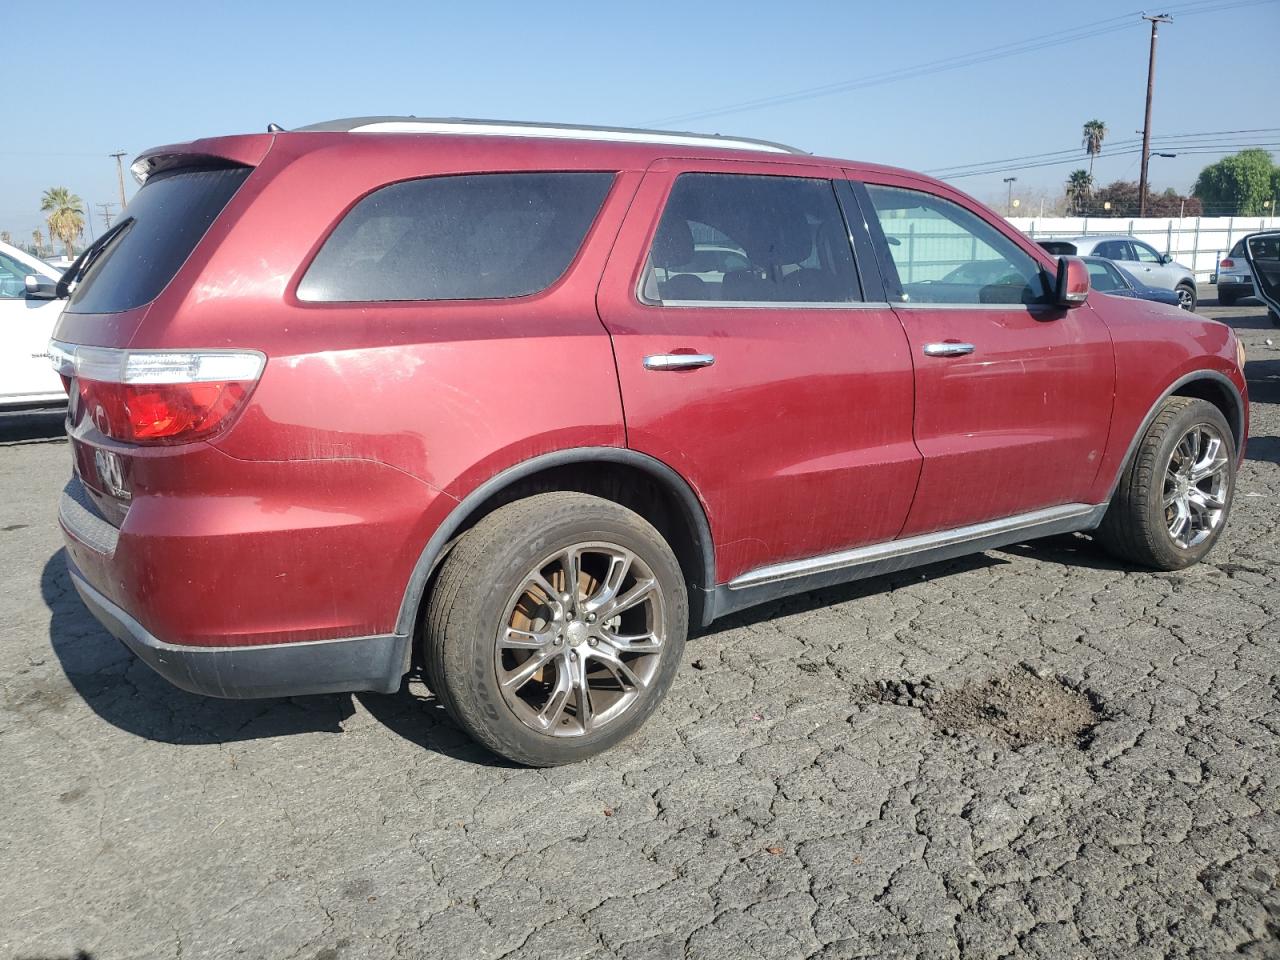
1013, 395
752, 364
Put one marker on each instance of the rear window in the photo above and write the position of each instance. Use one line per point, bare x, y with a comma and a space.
472, 237
1059, 248
170, 214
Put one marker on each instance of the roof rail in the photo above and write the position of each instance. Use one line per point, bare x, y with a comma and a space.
555, 131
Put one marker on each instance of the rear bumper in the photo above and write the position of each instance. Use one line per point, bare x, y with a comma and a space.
266, 670
1234, 281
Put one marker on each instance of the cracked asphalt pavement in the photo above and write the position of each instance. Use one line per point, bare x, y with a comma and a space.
1123, 800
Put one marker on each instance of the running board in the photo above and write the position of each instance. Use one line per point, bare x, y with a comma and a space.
797, 576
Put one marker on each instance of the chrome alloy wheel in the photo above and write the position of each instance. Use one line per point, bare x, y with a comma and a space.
581, 639
1195, 486
1186, 299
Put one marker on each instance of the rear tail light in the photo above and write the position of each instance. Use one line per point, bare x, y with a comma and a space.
1227, 264
146, 396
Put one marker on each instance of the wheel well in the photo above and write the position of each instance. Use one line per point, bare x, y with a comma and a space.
630, 486
1221, 397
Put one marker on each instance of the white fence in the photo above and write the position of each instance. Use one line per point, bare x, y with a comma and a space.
1196, 242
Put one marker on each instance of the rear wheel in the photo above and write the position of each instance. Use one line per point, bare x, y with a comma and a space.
1227, 298
1274, 318
1175, 495
555, 627
1186, 296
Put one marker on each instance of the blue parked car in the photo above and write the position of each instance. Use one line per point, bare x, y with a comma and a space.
1110, 278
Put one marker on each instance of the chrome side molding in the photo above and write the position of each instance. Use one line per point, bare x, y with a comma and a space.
885, 555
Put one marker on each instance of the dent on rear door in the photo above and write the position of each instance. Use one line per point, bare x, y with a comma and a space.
1262, 250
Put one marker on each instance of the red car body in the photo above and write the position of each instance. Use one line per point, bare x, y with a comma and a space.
289, 551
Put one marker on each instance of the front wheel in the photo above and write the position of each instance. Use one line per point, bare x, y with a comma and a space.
555, 627
1186, 296
1175, 494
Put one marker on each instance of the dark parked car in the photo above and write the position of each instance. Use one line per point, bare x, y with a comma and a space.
385, 390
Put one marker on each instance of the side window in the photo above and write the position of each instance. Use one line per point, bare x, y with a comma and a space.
1103, 277
739, 239
13, 277
944, 253
1114, 250
1145, 254
482, 236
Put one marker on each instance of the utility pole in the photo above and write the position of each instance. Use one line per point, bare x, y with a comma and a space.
1146, 123
105, 210
1008, 203
119, 155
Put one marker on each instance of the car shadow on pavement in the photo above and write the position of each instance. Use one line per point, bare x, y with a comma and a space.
1263, 449
417, 716
124, 691
1249, 321
1263, 379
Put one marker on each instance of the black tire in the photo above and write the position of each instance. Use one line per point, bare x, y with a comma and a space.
1274, 318
1227, 298
1186, 296
473, 592
1135, 528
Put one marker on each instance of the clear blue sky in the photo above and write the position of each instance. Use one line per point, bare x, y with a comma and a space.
140, 76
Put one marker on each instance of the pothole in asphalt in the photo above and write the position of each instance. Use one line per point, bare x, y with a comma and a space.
1019, 708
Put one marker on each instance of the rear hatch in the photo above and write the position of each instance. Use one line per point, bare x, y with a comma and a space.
128, 404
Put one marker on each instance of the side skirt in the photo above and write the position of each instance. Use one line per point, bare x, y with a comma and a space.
798, 576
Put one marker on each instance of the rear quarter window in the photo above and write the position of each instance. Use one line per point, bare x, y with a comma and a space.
169, 215
469, 237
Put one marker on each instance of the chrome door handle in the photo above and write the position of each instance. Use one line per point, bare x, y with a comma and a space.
947, 349
678, 361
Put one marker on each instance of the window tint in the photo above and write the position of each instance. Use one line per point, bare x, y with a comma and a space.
169, 215
1145, 254
1237, 250
457, 238
13, 278
732, 238
946, 254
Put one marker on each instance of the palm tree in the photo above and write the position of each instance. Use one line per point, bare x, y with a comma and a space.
64, 212
1079, 187
37, 240
6, 237
1095, 131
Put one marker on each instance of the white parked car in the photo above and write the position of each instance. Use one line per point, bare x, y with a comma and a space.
1140, 259
28, 311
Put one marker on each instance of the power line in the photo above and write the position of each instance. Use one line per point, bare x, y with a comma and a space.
1221, 148
1175, 140
1074, 156
1014, 48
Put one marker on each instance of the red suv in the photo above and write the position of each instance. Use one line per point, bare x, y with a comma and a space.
532, 401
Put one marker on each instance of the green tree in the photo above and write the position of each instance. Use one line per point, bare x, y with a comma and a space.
1122, 195
64, 212
6, 237
1095, 131
1079, 188
1238, 184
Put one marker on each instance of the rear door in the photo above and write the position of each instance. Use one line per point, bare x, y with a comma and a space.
779, 386
1263, 253
1013, 395
1150, 268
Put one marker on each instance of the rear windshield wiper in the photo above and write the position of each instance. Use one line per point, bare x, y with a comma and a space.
80, 266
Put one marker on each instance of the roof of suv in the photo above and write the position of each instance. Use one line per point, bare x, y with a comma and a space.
555, 131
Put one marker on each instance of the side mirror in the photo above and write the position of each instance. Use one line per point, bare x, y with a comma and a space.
1072, 287
1167, 258
40, 288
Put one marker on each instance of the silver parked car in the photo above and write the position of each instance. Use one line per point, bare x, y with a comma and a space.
1139, 258
1235, 279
